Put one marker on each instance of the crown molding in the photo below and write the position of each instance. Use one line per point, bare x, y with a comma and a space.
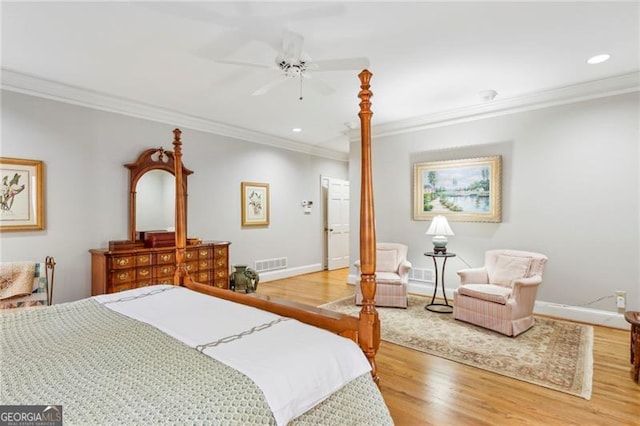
620, 84
35, 86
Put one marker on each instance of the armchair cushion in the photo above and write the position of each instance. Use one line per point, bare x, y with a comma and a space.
509, 268
388, 278
489, 292
386, 260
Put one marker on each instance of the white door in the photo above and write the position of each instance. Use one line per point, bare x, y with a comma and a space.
337, 224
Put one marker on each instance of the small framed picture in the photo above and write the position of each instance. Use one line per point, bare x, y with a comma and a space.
255, 203
21, 195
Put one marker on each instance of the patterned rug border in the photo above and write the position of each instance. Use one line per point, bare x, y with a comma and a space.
584, 368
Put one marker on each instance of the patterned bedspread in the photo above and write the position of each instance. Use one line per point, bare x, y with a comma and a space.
105, 368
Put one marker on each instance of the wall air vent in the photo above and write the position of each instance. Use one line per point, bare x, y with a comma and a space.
422, 275
270, 264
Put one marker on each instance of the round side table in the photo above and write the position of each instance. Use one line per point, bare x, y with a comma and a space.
633, 318
441, 308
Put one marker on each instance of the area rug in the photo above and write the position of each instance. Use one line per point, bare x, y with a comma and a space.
554, 354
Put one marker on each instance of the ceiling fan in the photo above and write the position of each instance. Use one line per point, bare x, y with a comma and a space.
293, 63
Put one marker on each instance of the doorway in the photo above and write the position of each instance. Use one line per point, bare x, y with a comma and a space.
336, 229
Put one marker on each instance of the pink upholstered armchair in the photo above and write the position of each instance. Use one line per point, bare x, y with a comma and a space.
392, 275
500, 295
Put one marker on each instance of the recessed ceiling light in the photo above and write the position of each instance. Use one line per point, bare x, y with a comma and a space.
296, 130
598, 59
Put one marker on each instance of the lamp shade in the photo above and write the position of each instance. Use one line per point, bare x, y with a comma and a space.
439, 226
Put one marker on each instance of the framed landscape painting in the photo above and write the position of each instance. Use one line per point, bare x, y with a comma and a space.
255, 203
21, 195
462, 190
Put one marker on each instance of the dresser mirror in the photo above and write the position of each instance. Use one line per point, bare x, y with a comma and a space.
152, 192
155, 200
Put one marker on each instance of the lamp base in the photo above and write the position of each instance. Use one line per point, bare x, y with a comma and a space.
439, 244
440, 250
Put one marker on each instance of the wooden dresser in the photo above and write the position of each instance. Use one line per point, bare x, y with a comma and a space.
124, 269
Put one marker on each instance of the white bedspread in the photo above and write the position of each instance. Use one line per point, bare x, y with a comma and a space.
295, 365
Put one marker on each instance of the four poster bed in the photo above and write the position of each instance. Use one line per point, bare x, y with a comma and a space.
129, 357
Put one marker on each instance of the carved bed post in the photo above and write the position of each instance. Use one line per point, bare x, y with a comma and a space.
181, 220
369, 321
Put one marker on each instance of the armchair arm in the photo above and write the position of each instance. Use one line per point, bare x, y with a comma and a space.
522, 286
404, 267
473, 275
523, 295
403, 271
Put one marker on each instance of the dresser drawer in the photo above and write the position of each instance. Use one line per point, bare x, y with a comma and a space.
121, 287
122, 262
143, 259
220, 251
203, 277
191, 267
220, 274
123, 276
221, 283
144, 274
164, 280
204, 264
166, 257
204, 252
220, 262
191, 255
163, 271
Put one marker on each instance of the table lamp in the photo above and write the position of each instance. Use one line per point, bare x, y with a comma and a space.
439, 229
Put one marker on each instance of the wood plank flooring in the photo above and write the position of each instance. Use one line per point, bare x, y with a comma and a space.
422, 389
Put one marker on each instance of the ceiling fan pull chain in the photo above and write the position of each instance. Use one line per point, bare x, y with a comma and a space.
301, 87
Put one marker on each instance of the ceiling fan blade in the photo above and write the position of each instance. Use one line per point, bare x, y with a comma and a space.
326, 10
292, 45
244, 64
224, 45
339, 64
319, 86
275, 83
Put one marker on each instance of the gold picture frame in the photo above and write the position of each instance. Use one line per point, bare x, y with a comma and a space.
21, 195
255, 203
464, 190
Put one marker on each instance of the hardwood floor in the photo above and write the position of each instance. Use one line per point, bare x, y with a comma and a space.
422, 389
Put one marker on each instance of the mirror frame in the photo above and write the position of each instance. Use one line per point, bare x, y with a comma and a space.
150, 159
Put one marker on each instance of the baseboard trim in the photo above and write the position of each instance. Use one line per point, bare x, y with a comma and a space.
580, 314
566, 312
289, 272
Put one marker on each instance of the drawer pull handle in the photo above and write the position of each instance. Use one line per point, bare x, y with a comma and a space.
122, 262
123, 276
165, 257
143, 259
144, 273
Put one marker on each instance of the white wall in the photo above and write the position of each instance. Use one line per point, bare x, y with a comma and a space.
570, 190
86, 188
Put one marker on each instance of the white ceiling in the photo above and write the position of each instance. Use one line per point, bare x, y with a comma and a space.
427, 57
